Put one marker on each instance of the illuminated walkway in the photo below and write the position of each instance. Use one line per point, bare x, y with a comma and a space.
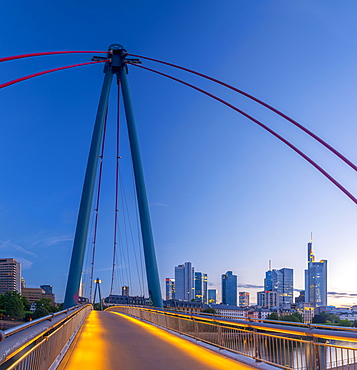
110, 340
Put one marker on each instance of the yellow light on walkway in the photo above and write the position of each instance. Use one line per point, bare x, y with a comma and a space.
209, 358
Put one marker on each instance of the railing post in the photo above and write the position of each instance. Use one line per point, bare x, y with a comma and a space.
256, 344
219, 336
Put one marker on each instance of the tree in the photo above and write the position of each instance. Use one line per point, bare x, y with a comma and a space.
298, 316
319, 319
14, 306
46, 302
26, 304
345, 323
273, 316
209, 310
40, 312
291, 318
2, 302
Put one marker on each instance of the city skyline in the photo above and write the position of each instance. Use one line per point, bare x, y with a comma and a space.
223, 193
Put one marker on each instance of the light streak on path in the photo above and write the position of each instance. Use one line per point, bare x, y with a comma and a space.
111, 340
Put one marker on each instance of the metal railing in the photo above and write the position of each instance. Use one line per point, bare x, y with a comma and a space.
41, 344
285, 346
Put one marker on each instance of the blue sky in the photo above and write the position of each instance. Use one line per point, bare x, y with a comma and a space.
224, 194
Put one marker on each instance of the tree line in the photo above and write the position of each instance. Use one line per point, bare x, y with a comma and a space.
322, 318
16, 307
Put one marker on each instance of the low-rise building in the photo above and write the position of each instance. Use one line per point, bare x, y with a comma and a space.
229, 311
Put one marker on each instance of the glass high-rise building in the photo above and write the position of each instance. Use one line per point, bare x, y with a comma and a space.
244, 299
184, 282
282, 282
170, 288
315, 280
229, 288
201, 287
212, 296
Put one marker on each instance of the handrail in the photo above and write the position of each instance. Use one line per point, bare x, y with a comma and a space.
49, 340
311, 331
8, 332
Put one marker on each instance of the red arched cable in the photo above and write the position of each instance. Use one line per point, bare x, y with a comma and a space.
97, 205
5, 59
48, 71
293, 147
297, 124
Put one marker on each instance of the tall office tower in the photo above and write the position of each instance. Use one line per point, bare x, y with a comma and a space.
229, 288
198, 287
184, 282
201, 287
244, 299
315, 280
205, 288
170, 288
267, 280
282, 282
10, 275
212, 296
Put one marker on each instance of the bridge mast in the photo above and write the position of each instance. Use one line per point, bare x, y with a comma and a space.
116, 65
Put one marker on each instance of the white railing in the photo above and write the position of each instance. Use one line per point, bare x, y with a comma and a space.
41, 344
285, 346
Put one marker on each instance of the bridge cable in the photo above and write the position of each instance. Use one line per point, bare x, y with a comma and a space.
125, 242
14, 57
12, 82
140, 277
144, 281
116, 189
297, 124
293, 147
100, 176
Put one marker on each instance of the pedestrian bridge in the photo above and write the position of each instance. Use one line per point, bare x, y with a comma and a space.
128, 337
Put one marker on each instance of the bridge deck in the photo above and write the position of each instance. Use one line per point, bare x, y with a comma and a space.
110, 340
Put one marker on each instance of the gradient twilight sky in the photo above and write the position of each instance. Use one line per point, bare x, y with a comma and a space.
224, 194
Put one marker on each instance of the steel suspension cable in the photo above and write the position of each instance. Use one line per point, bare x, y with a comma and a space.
48, 71
293, 147
14, 57
116, 189
297, 124
97, 206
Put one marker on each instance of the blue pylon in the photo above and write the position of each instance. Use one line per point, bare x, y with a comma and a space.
116, 65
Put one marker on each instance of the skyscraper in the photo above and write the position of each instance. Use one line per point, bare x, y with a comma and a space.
315, 280
170, 288
212, 296
184, 282
244, 299
198, 287
10, 275
282, 282
201, 287
229, 288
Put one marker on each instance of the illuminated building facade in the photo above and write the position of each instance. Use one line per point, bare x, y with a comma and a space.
170, 288
282, 282
184, 282
315, 280
10, 275
212, 296
268, 299
229, 288
201, 287
244, 299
